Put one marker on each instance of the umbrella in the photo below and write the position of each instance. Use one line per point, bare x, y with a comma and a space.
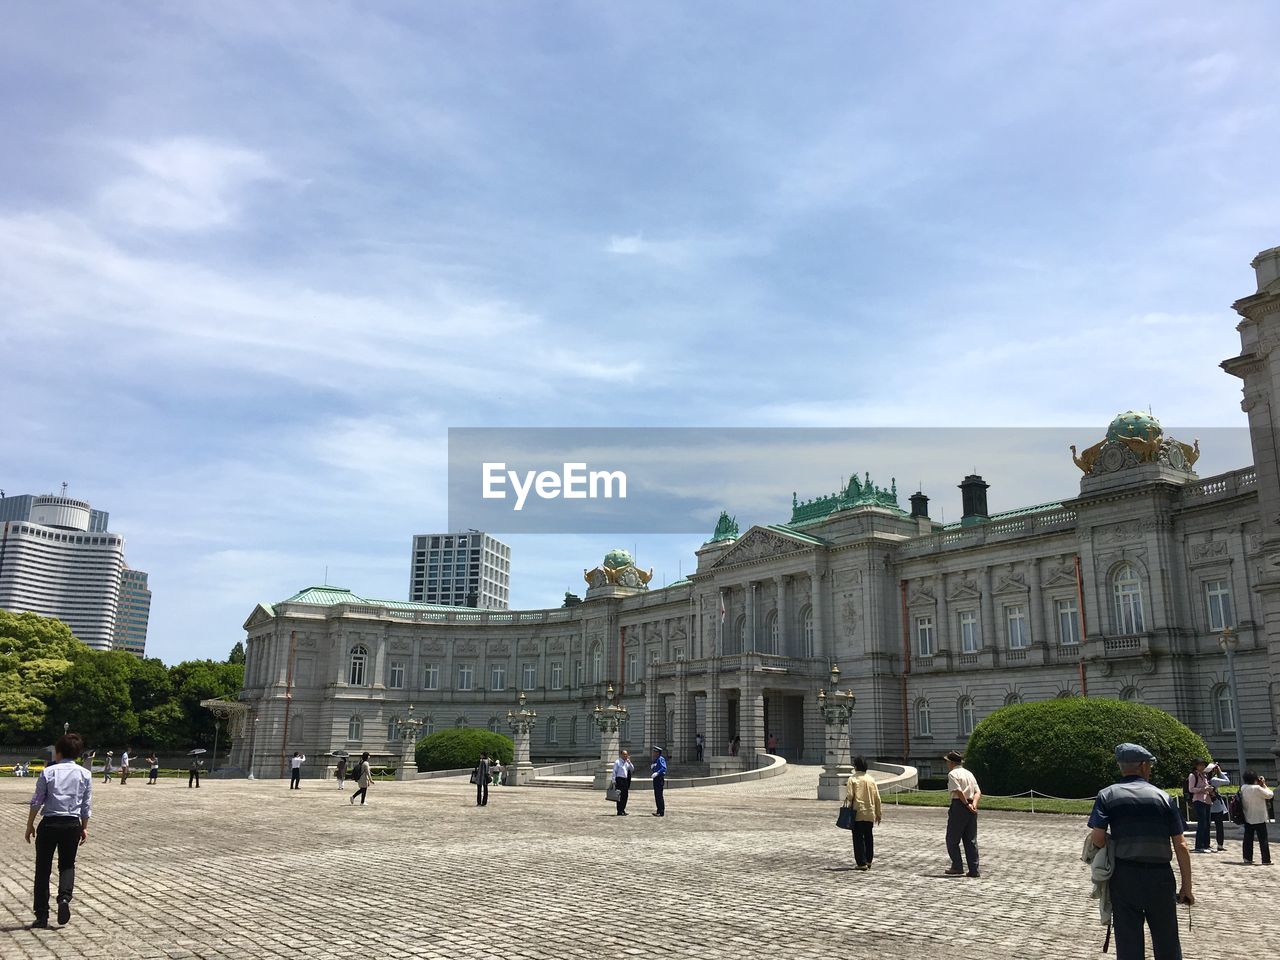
196, 752
339, 753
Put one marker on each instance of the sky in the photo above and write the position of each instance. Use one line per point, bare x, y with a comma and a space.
257, 258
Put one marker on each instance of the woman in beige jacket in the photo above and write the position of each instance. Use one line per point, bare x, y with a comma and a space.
863, 796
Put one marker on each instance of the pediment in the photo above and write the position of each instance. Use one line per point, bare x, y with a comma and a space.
760, 544
965, 590
1013, 583
261, 614
921, 596
1061, 577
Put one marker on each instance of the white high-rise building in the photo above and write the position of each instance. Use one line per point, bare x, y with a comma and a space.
58, 559
448, 568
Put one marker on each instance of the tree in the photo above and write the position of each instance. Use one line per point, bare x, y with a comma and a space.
93, 696
1066, 747
29, 636
237, 653
460, 747
196, 680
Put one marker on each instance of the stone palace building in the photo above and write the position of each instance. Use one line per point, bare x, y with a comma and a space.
1121, 589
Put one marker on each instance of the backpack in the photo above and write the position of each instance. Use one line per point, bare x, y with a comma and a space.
1235, 808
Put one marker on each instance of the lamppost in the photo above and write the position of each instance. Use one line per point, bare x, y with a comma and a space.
836, 709
521, 723
609, 719
253, 746
1228, 642
409, 728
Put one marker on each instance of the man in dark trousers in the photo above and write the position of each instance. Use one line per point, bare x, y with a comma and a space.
623, 768
481, 777
295, 770
659, 774
1146, 831
962, 816
64, 792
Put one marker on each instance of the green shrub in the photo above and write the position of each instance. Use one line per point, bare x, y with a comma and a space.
460, 747
1066, 747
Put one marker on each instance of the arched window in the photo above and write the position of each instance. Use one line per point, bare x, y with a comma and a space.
1131, 694
359, 663
355, 729
553, 731
596, 664
494, 725
740, 636
1012, 699
460, 723
1127, 591
773, 631
573, 729
924, 723
968, 717
1225, 709
297, 729
806, 632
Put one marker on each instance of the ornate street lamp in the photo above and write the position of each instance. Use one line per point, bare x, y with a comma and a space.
1229, 642
521, 722
836, 709
409, 728
609, 720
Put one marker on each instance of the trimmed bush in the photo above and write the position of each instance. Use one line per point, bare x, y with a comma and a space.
1066, 747
460, 747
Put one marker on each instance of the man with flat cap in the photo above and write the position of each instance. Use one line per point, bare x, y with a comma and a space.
962, 816
1146, 831
658, 771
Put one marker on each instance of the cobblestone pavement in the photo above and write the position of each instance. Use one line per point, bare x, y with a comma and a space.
249, 870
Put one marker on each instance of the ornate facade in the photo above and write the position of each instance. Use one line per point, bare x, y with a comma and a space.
1121, 589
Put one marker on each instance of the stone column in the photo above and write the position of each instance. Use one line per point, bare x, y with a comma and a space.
751, 720
822, 644
750, 643
521, 772
1039, 634
943, 624
990, 630
681, 750
784, 625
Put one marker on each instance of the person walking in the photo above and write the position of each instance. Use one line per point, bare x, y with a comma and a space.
193, 774
658, 772
862, 795
699, 744
295, 770
480, 777
153, 771
1198, 794
341, 773
1146, 831
364, 777
108, 768
124, 766
623, 768
772, 744
1217, 805
64, 793
495, 773
1254, 794
962, 817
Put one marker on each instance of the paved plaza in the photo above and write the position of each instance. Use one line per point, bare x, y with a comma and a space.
245, 870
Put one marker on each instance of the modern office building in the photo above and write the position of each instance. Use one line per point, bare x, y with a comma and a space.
58, 559
133, 612
451, 568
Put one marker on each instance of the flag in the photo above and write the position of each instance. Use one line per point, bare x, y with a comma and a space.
722, 608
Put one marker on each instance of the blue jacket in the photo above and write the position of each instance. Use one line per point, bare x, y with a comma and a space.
659, 768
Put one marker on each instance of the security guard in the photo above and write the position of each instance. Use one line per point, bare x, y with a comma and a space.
1146, 830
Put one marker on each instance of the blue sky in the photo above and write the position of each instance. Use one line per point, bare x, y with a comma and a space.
256, 258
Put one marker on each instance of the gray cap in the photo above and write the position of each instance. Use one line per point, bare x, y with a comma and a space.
1133, 753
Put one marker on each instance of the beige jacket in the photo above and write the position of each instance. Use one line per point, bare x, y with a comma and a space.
862, 794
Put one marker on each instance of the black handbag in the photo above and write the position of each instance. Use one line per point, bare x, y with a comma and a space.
844, 820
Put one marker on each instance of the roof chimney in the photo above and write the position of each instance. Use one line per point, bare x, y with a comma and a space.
973, 495
919, 505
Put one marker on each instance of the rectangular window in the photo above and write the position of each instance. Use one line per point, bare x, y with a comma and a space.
969, 631
924, 636
577, 673
396, 680
1016, 617
498, 676
1068, 622
1218, 597
557, 675
466, 676
529, 676
431, 676
633, 668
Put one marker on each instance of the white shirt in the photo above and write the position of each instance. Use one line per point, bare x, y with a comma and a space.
964, 781
622, 769
296, 762
124, 759
1254, 797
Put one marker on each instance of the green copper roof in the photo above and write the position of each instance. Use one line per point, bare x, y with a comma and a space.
795, 534
327, 596
857, 493
726, 528
1008, 515
1134, 423
617, 559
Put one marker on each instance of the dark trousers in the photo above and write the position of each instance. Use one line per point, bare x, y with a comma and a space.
193, 778
1201, 812
359, 793
1145, 892
295, 779
659, 783
482, 792
1258, 830
863, 845
962, 827
623, 786
155, 772
63, 835
1219, 819
699, 750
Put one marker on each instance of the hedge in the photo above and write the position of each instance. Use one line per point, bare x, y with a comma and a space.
460, 747
1066, 747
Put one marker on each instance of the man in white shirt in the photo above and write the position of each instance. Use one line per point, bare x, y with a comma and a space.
622, 770
124, 766
295, 770
962, 817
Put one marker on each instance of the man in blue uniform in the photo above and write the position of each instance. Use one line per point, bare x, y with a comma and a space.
64, 792
658, 771
1146, 831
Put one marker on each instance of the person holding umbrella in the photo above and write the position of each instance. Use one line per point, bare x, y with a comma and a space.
193, 772
341, 772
